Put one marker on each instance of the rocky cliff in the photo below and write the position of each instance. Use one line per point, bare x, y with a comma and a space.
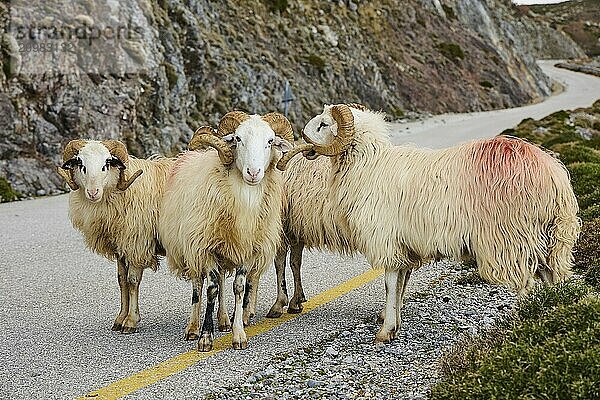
580, 19
149, 72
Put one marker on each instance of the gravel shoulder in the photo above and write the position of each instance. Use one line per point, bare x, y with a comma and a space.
348, 365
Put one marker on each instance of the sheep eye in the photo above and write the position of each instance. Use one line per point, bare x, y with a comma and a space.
323, 125
270, 141
82, 167
237, 139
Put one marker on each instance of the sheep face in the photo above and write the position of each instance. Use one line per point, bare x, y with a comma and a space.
253, 143
322, 129
94, 170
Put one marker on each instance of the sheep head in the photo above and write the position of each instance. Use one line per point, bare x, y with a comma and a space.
247, 141
332, 131
96, 166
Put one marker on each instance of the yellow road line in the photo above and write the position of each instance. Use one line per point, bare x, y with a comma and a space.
185, 360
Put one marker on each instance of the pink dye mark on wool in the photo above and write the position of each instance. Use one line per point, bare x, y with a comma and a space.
505, 166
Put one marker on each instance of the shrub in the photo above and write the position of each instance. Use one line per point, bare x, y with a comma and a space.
451, 51
316, 61
486, 84
276, 5
548, 349
585, 177
587, 251
7, 193
570, 153
590, 213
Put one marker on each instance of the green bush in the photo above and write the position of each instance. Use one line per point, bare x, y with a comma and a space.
451, 51
7, 193
590, 213
587, 252
548, 349
570, 153
486, 84
316, 61
585, 177
276, 5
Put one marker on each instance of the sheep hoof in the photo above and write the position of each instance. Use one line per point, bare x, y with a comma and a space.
274, 312
380, 317
191, 335
240, 345
129, 329
294, 309
117, 327
205, 343
385, 336
247, 318
224, 327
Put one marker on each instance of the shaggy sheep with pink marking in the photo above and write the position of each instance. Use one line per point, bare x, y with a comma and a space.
503, 201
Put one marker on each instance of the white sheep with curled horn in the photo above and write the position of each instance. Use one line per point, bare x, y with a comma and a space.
117, 212
222, 210
506, 202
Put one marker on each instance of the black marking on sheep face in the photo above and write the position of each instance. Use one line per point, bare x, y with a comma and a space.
195, 297
72, 163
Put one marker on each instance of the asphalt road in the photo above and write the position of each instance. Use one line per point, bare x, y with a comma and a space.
445, 130
59, 300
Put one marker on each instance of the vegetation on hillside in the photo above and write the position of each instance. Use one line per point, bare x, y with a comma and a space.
580, 19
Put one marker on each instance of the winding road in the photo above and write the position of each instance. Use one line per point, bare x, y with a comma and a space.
59, 300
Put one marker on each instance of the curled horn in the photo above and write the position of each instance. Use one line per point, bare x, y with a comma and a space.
280, 125
357, 106
69, 157
345, 132
282, 163
118, 150
72, 149
230, 122
206, 136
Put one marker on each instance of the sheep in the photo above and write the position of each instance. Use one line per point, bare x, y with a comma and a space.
117, 217
503, 201
222, 210
120, 223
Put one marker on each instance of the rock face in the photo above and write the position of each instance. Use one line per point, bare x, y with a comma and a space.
150, 72
580, 19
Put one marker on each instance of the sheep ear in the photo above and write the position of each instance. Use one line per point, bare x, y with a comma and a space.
282, 145
71, 164
229, 139
115, 162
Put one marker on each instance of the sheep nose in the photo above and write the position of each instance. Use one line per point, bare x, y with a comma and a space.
253, 172
93, 193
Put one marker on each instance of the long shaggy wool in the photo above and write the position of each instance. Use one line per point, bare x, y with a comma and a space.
124, 223
503, 200
308, 217
210, 212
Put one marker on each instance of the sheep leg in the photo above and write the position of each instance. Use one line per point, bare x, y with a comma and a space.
123, 285
249, 303
239, 339
134, 277
282, 295
192, 330
388, 330
205, 342
222, 316
295, 305
401, 284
